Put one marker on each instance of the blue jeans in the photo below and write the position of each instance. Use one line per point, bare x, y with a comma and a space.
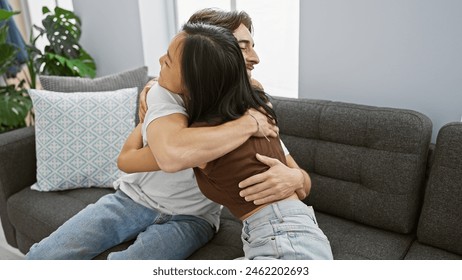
285, 230
116, 218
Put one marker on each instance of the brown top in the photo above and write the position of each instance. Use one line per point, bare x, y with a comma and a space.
220, 178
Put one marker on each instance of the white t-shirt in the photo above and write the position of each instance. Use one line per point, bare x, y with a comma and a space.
171, 193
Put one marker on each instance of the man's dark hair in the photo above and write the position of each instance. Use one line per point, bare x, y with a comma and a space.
229, 20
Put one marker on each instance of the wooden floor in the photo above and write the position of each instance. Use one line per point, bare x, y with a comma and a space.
6, 251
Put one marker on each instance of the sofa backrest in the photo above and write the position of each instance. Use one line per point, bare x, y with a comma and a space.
367, 164
441, 218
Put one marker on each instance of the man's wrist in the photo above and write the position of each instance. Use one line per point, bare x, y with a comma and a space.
249, 123
300, 187
256, 122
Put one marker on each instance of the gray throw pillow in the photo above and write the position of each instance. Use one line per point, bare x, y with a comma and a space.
132, 78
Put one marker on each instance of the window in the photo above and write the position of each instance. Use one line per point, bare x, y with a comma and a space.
276, 36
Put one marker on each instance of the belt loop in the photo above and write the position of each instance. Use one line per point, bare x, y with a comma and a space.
277, 212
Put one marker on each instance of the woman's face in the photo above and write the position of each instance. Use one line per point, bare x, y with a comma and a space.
170, 66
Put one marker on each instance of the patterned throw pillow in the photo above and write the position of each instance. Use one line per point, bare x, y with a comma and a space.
131, 78
79, 136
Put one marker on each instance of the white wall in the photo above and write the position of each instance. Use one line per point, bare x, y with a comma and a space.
111, 34
157, 29
125, 34
276, 36
394, 53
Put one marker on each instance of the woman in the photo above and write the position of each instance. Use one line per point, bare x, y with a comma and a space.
215, 88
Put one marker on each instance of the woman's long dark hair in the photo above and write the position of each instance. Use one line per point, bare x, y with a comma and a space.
215, 76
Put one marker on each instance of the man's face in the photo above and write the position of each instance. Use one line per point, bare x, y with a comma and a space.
245, 40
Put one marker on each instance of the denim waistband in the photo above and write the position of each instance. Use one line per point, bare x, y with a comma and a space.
278, 210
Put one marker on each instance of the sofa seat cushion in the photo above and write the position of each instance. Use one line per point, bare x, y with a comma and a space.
37, 214
420, 251
226, 244
350, 240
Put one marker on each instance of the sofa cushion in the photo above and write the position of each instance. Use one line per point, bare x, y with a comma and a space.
79, 136
350, 240
367, 163
441, 219
35, 215
226, 244
419, 251
132, 78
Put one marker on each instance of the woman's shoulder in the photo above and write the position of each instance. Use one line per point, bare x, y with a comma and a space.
160, 95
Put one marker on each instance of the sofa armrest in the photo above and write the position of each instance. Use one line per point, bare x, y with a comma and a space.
17, 170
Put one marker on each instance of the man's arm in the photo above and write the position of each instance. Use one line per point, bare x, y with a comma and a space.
177, 146
278, 182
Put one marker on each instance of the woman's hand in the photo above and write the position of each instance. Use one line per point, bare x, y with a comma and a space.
143, 107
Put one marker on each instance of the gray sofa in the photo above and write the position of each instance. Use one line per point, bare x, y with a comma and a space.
380, 189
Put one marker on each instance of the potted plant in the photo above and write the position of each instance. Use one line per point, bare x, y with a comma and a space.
15, 103
63, 56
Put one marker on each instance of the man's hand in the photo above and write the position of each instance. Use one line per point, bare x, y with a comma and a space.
265, 126
278, 182
143, 107
256, 84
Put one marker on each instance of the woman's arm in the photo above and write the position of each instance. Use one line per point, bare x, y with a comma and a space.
134, 157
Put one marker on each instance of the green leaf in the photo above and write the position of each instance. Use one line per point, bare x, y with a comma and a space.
63, 31
83, 67
63, 56
3, 34
7, 57
45, 10
4, 14
67, 14
14, 107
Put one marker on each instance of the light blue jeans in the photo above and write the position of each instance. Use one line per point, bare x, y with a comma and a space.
285, 230
116, 218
